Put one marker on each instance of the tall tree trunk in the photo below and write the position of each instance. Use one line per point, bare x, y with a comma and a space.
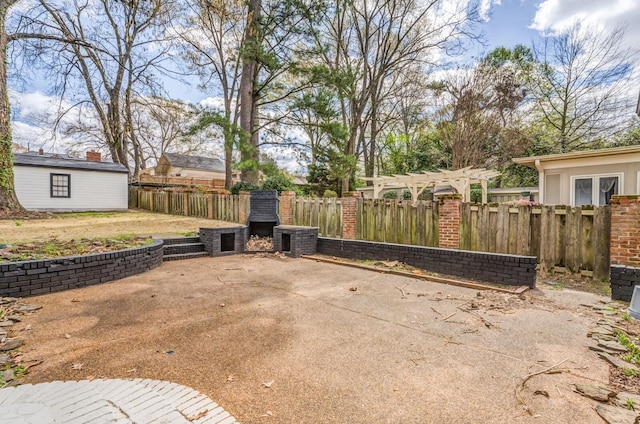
248, 106
8, 200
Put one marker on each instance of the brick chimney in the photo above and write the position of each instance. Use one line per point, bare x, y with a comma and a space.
94, 156
41, 151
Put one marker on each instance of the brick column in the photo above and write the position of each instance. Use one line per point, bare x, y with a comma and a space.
625, 230
349, 208
244, 207
625, 246
286, 207
449, 221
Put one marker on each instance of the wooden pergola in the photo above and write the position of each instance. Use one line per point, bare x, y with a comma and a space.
460, 180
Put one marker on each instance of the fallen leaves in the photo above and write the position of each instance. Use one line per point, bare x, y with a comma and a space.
198, 415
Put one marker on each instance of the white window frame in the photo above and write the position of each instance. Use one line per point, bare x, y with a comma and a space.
595, 178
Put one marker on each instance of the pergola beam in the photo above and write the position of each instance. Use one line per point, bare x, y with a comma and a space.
416, 183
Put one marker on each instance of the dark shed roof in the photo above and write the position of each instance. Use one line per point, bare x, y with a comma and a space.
194, 162
49, 161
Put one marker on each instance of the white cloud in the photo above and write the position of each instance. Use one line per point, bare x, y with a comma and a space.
213, 104
557, 15
485, 7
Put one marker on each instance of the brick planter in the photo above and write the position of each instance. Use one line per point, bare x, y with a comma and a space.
224, 241
30, 278
295, 241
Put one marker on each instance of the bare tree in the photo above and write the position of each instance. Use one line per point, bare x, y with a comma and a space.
102, 54
480, 121
583, 84
8, 200
213, 35
366, 45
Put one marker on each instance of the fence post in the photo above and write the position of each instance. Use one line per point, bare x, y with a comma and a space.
286, 207
244, 199
166, 206
449, 221
349, 209
210, 205
625, 246
185, 204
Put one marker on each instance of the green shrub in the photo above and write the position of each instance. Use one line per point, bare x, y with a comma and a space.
280, 183
390, 195
243, 186
329, 193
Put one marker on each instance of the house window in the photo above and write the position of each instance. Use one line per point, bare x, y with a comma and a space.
594, 189
60, 185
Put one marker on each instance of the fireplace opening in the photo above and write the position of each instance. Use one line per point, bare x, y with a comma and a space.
286, 242
261, 229
227, 242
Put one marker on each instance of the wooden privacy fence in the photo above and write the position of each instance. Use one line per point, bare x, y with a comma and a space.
565, 239
325, 213
400, 222
202, 205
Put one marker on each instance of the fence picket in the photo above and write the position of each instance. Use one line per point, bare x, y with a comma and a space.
573, 239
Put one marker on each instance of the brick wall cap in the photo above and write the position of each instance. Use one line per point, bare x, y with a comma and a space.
615, 199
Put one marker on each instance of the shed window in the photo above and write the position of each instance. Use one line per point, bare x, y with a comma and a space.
60, 185
594, 190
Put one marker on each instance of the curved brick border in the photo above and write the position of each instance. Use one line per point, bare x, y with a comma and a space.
30, 278
113, 401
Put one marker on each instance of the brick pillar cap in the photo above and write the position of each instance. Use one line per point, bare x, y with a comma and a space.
617, 198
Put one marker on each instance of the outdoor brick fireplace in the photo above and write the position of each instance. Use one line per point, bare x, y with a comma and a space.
263, 215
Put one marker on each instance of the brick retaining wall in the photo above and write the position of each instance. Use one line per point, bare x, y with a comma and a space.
623, 279
491, 267
30, 278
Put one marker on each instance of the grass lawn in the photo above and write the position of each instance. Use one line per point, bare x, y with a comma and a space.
75, 226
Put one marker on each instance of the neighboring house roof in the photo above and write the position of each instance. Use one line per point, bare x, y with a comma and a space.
530, 161
194, 162
66, 162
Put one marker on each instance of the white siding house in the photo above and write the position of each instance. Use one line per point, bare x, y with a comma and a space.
57, 184
588, 177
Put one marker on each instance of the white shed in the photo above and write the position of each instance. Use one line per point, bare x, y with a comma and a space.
54, 183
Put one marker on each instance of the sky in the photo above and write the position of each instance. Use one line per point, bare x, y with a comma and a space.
505, 23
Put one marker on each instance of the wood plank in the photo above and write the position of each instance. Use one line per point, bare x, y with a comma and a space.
602, 230
559, 225
587, 241
572, 252
534, 249
502, 229
465, 230
484, 223
512, 231
523, 244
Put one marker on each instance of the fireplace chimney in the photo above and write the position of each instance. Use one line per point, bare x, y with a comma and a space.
94, 156
41, 152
